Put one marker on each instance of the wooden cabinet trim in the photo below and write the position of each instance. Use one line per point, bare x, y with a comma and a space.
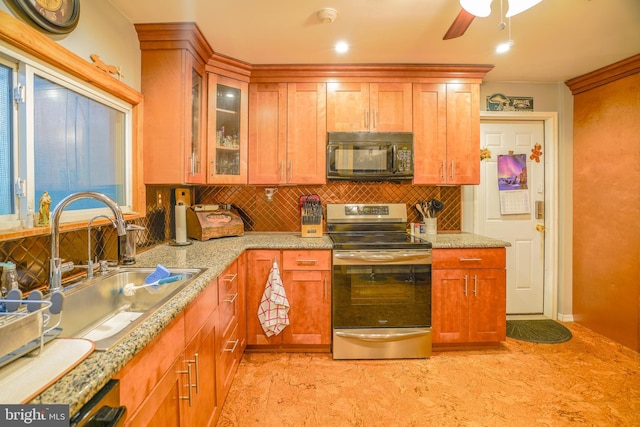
369, 73
605, 75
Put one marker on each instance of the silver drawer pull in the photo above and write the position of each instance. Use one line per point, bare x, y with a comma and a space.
196, 361
189, 385
307, 261
232, 349
470, 259
232, 299
231, 278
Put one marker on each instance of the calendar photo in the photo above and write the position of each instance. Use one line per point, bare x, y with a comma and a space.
512, 184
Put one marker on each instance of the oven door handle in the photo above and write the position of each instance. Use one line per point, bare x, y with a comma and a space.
382, 337
377, 258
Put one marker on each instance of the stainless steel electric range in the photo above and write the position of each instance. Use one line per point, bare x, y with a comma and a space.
381, 284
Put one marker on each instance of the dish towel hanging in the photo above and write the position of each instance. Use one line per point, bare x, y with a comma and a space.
274, 307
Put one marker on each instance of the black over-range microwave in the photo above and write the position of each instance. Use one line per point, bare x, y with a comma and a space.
369, 156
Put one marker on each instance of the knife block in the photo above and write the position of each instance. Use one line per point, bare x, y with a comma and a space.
312, 230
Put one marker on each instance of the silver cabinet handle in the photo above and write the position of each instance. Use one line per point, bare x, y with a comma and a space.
189, 397
375, 119
366, 118
325, 288
466, 285
443, 171
469, 259
306, 261
475, 285
452, 170
232, 299
232, 349
231, 278
195, 361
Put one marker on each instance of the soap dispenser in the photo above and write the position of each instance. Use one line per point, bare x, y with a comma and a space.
9, 277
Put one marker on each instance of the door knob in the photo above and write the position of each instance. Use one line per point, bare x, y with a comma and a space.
540, 227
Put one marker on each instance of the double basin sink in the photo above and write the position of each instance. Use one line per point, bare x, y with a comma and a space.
99, 310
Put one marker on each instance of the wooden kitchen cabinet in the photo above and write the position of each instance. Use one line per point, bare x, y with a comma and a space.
259, 263
369, 107
306, 276
229, 349
287, 133
227, 135
468, 296
174, 87
446, 120
149, 383
174, 379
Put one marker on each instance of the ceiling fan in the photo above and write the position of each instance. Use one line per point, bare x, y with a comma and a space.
482, 8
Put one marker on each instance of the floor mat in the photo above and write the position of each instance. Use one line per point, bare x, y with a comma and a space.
545, 331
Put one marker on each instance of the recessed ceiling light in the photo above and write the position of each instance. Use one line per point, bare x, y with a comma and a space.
342, 47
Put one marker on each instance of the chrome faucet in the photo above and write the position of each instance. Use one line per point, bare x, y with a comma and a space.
90, 263
56, 265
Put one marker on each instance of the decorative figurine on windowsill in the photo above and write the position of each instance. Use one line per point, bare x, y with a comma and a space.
45, 203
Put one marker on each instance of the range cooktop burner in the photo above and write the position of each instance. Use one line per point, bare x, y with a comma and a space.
371, 226
378, 240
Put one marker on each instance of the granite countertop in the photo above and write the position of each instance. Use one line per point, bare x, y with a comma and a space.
213, 256
463, 240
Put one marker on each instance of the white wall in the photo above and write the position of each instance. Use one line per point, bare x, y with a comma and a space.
102, 30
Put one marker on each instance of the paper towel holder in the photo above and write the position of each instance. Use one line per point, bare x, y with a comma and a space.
175, 242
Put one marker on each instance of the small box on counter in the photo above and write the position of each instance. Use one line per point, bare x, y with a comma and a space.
206, 222
311, 215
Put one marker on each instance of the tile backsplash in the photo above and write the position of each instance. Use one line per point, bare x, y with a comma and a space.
31, 254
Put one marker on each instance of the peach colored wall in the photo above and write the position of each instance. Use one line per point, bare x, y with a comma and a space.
606, 220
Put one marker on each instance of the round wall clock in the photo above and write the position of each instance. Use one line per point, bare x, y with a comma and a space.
54, 16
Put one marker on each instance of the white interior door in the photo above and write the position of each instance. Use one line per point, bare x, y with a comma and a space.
525, 231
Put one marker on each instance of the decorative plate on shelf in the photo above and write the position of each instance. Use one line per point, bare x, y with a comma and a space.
54, 16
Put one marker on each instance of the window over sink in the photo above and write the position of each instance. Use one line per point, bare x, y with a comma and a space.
60, 135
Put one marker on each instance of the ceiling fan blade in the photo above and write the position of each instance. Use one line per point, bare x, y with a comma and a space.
459, 25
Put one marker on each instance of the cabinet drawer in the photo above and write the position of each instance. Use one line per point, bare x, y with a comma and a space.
227, 281
200, 309
469, 258
228, 306
306, 260
228, 359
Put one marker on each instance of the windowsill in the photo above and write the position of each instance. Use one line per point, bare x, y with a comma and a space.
21, 232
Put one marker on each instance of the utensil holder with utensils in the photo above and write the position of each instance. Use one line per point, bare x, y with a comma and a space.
311, 215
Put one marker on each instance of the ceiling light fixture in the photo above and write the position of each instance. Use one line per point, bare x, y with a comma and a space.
327, 15
480, 8
518, 6
506, 46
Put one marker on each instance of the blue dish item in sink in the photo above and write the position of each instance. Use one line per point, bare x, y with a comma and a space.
160, 273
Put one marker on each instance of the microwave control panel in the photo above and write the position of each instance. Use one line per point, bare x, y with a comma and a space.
404, 160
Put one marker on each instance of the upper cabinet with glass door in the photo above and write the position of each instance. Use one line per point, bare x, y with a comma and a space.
227, 131
174, 86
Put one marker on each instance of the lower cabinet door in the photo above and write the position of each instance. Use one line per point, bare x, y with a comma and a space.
259, 263
450, 307
202, 405
487, 305
309, 295
162, 406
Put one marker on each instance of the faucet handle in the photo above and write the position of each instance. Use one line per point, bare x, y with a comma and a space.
104, 266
